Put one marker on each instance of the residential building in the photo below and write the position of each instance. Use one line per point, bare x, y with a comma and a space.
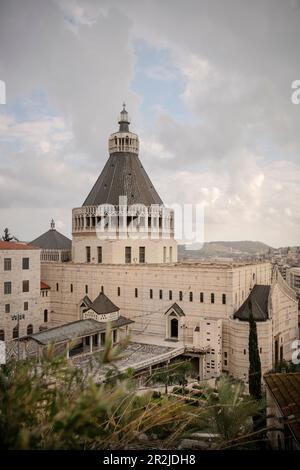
20, 273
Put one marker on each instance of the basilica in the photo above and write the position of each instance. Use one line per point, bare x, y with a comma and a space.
136, 284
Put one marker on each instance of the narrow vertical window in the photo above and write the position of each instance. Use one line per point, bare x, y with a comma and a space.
99, 251
7, 264
25, 286
25, 263
142, 254
170, 295
7, 287
115, 336
88, 254
191, 296
127, 254
136, 293
119, 291
16, 332
151, 293
212, 298
224, 299
180, 295
29, 329
160, 294
201, 297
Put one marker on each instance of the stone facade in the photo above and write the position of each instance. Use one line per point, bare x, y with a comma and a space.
206, 293
189, 306
20, 289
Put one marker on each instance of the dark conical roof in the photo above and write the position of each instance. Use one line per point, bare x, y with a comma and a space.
52, 240
257, 301
123, 175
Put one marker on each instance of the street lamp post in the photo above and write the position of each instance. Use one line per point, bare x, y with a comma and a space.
18, 317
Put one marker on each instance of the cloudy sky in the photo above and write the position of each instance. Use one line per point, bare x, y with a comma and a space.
208, 88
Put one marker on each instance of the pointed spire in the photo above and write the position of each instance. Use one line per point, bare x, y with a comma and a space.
52, 225
124, 120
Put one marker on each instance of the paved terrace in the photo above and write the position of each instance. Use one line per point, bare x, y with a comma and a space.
137, 356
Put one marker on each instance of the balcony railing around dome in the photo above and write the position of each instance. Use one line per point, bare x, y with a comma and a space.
133, 210
121, 142
116, 147
160, 223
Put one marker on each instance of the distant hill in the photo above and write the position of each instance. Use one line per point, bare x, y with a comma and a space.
221, 249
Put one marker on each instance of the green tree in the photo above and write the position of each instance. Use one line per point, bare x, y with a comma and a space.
50, 404
7, 237
254, 359
229, 412
174, 373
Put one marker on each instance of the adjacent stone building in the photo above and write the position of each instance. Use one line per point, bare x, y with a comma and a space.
20, 275
54, 245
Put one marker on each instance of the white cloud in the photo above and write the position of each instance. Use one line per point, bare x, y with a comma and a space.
239, 156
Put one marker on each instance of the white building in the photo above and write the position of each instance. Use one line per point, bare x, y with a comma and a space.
20, 310
199, 307
293, 279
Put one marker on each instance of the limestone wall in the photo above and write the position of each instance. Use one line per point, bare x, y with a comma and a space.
17, 298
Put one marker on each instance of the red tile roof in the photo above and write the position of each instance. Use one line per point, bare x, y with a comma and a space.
44, 286
16, 246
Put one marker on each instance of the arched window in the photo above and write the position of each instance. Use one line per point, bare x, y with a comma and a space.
15, 332
174, 328
29, 329
2, 335
45, 316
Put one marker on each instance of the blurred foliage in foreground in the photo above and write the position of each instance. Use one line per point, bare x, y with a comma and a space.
50, 404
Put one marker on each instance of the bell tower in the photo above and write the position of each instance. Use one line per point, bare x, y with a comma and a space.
123, 219
123, 140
